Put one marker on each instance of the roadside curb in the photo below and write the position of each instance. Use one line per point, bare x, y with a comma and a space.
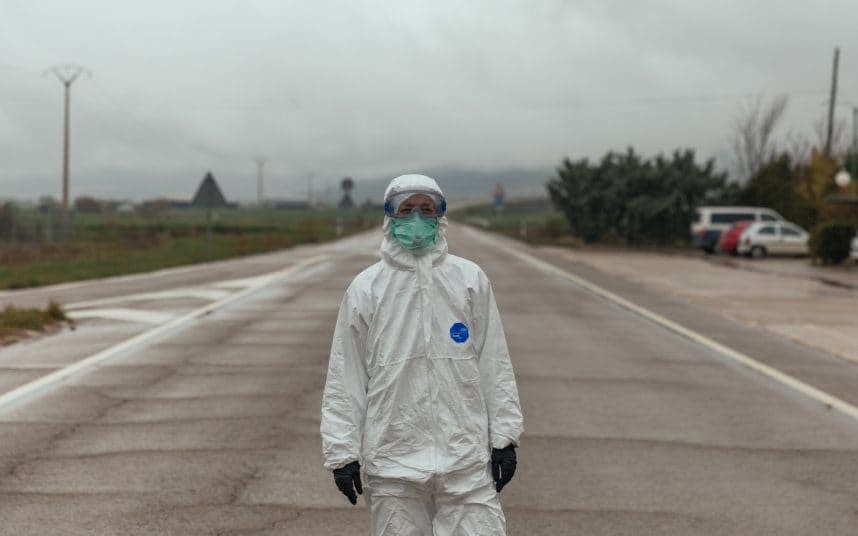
832, 282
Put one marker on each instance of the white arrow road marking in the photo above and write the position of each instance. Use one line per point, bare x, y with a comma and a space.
806, 389
65, 374
172, 294
245, 282
123, 314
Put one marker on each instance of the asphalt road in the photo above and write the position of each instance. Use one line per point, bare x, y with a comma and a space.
211, 427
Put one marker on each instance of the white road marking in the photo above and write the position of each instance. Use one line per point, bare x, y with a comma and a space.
806, 389
124, 314
177, 293
244, 282
74, 370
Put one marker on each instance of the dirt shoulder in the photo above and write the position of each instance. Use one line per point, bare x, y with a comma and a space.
817, 307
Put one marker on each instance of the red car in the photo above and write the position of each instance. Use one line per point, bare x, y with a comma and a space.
729, 239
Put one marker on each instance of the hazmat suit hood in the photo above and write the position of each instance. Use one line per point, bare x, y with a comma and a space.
400, 189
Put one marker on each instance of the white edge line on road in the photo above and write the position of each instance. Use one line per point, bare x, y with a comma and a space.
787, 380
65, 374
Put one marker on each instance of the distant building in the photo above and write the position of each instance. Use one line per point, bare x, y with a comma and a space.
209, 194
287, 204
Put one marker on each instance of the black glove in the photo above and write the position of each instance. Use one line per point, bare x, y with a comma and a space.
503, 466
347, 479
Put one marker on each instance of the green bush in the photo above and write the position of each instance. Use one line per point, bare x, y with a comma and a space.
829, 242
626, 198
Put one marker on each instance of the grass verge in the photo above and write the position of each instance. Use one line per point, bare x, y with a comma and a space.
534, 221
114, 244
17, 322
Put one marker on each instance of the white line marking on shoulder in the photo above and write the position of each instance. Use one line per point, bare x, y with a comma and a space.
200, 293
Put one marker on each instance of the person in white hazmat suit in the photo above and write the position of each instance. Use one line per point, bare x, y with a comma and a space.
420, 389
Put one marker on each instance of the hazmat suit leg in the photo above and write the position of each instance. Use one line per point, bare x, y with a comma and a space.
467, 504
399, 507
456, 504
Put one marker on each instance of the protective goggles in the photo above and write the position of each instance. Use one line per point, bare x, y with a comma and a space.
394, 202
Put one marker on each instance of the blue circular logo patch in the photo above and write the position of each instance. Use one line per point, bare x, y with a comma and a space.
459, 332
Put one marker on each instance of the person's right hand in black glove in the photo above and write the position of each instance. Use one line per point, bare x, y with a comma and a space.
503, 466
347, 479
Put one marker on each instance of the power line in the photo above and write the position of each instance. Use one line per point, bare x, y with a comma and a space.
719, 97
666, 100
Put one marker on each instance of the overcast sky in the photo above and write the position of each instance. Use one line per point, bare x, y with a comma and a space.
371, 88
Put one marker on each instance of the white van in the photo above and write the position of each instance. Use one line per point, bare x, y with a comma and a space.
708, 223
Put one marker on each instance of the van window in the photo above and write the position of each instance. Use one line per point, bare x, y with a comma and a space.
768, 217
789, 231
767, 230
731, 218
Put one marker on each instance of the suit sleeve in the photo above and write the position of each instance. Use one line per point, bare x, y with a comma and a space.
496, 373
344, 399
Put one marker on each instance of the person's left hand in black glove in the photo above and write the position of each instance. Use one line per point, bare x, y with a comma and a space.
503, 466
347, 479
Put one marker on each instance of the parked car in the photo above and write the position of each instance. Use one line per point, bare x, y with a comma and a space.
853, 248
709, 222
729, 240
772, 238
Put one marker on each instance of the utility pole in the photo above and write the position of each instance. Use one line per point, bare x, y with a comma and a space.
67, 74
855, 132
310, 177
831, 102
209, 206
260, 164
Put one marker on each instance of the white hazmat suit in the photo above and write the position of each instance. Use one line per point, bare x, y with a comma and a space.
420, 388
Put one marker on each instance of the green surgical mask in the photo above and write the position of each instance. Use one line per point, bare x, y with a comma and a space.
415, 232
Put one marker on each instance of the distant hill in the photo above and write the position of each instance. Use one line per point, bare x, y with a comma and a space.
459, 184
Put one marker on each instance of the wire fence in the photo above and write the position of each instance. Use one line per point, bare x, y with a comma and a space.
48, 224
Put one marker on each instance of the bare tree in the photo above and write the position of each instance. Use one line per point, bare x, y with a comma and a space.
799, 147
839, 144
753, 143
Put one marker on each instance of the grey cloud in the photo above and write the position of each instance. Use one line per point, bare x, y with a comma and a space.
364, 88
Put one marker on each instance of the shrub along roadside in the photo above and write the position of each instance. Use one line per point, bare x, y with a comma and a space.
15, 322
532, 220
625, 198
830, 242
